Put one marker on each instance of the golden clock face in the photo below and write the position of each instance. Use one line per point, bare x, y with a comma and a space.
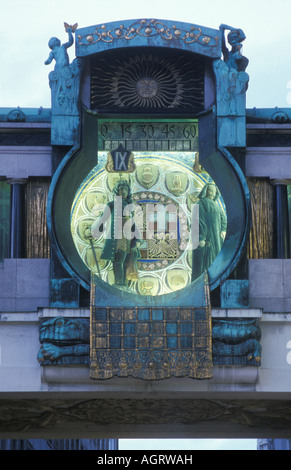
158, 221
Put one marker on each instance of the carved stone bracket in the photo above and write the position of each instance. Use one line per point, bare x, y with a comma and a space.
67, 341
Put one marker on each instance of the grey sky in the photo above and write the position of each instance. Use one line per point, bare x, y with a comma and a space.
27, 25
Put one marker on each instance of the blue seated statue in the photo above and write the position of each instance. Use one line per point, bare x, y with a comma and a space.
64, 80
234, 58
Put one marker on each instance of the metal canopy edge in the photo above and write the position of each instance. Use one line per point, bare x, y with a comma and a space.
149, 32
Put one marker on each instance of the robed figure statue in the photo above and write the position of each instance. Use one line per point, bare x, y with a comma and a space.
122, 235
212, 230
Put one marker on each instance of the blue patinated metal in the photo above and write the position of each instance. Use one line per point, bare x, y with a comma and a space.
236, 341
234, 294
148, 33
231, 85
222, 130
220, 164
151, 343
213, 155
66, 341
64, 82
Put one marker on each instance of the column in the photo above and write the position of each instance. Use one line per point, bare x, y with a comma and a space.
17, 218
281, 220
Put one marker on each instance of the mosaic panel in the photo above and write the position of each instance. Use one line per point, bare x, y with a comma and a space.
150, 343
